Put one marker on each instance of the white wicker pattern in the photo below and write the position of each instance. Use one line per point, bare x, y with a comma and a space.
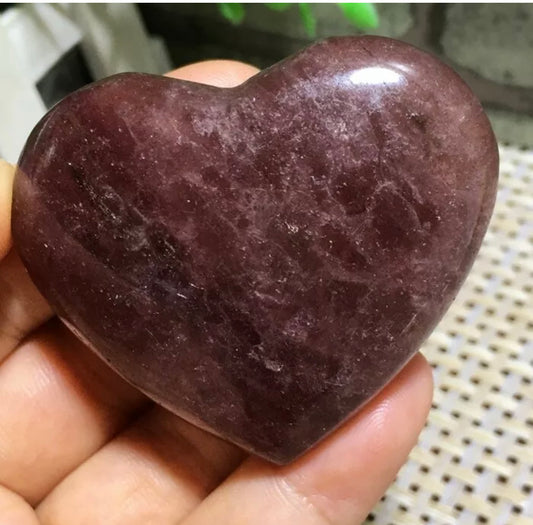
474, 460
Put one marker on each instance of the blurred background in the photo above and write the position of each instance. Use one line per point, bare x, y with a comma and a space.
474, 461
49, 50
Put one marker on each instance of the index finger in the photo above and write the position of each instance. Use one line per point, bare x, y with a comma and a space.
219, 73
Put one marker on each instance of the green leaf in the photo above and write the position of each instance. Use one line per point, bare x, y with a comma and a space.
232, 12
308, 19
363, 16
279, 6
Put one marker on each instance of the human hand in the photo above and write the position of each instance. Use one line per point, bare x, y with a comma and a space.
79, 445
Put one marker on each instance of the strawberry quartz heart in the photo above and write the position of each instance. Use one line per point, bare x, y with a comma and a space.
260, 260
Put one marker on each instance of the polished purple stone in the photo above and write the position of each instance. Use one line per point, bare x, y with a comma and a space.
261, 260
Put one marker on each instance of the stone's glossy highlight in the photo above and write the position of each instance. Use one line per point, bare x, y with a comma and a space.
261, 260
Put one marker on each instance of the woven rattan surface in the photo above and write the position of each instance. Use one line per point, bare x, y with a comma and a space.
474, 460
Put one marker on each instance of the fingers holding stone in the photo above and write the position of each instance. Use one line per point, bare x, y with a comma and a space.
338, 482
156, 471
60, 403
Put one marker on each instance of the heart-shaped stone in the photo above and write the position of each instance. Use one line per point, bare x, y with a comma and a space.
261, 260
